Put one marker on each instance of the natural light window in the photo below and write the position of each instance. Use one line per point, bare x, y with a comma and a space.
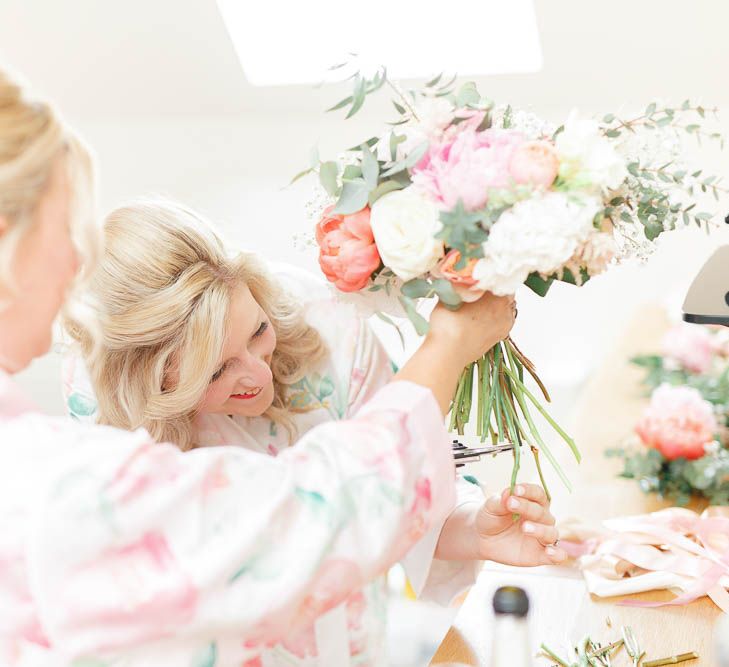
283, 43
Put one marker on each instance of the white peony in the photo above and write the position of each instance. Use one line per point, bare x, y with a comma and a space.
587, 157
539, 234
404, 225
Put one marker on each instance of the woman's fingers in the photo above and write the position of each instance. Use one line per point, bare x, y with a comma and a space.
530, 511
531, 492
545, 535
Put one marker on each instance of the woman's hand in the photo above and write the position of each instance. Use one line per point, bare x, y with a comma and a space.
455, 339
489, 531
475, 327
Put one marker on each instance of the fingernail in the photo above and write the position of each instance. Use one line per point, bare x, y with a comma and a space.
520, 490
551, 551
528, 528
513, 504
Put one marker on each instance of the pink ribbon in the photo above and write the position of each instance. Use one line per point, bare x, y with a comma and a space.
675, 541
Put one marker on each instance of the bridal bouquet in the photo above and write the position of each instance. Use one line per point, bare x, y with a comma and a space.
681, 446
460, 196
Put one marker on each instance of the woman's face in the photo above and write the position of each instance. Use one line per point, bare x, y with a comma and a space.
243, 383
44, 265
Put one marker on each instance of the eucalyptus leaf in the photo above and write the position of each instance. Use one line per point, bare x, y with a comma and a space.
410, 161
353, 197
370, 167
383, 188
417, 288
467, 94
300, 175
434, 81
395, 140
340, 105
358, 96
417, 320
328, 178
446, 293
352, 172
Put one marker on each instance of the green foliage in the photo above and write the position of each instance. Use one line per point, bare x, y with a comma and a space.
464, 231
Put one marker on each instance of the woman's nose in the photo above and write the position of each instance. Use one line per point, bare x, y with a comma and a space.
258, 372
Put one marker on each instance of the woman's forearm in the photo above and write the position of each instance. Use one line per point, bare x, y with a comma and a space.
437, 367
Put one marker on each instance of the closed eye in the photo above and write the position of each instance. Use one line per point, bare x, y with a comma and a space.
261, 330
219, 372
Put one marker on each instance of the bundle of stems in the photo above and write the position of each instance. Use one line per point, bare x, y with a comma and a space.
504, 405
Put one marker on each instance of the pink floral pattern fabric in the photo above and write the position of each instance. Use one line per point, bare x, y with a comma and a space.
117, 550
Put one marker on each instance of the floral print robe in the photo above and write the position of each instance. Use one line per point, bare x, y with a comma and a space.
120, 552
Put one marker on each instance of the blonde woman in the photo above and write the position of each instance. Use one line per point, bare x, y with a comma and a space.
201, 348
118, 550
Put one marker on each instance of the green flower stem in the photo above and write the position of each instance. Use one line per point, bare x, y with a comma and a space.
553, 656
541, 443
512, 420
524, 362
547, 416
535, 451
481, 394
456, 403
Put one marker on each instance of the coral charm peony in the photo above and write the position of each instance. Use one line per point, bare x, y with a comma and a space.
347, 251
679, 423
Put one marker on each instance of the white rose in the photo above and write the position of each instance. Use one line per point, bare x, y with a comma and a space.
539, 234
587, 156
404, 225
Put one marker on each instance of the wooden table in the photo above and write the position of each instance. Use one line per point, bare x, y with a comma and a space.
562, 610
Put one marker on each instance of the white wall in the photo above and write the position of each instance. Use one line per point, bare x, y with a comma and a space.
234, 168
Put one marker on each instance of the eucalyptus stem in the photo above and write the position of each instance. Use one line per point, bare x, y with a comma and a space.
672, 660
402, 97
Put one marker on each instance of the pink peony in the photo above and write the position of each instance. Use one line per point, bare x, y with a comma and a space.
462, 279
535, 163
467, 167
691, 346
347, 251
678, 423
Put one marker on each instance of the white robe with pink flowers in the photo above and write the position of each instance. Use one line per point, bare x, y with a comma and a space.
116, 551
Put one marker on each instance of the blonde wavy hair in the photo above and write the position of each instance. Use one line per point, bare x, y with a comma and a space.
32, 138
161, 297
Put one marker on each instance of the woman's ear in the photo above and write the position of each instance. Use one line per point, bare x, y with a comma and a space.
3, 224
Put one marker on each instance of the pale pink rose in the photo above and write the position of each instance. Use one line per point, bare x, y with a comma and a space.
467, 167
691, 346
678, 423
347, 251
462, 279
535, 163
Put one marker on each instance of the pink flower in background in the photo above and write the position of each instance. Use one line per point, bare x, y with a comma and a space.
678, 423
467, 167
535, 163
691, 346
347, 251
462, 279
